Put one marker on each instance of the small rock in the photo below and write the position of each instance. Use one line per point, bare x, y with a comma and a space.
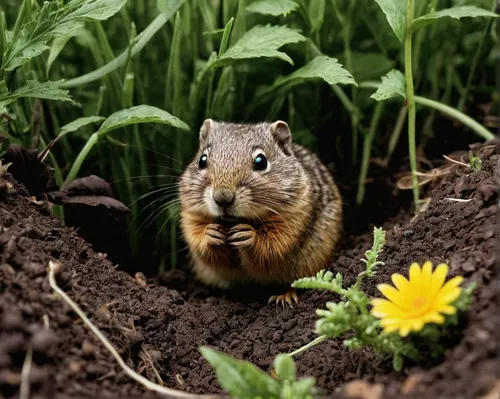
88, 349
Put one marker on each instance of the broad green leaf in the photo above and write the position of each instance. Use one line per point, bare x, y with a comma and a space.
454, 12
240, 378
275, 8
262, 41
369, 66
52, 22
393, 84
285, 367
79, 123
58, 44
95, 10
169, 7
321, 67
50, 90
140, 114
395, 11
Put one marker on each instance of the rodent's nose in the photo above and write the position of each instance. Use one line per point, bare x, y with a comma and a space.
224, 197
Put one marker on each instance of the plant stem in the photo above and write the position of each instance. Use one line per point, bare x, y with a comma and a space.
475, 126
81, 157
411, 104
141, 40
396, 132
302, 349
367, 146
460, 116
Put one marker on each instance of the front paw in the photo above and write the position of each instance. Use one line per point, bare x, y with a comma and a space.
242, 235
216, 234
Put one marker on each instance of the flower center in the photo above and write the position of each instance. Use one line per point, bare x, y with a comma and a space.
419, 302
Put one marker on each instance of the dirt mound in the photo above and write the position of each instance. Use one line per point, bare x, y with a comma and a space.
162, 323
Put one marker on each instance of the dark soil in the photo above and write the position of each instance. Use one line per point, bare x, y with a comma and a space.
163, 322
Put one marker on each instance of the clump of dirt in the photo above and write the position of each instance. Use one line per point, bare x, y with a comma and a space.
158, 325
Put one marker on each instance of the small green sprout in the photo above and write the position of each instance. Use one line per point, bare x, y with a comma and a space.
475, 163
242, 379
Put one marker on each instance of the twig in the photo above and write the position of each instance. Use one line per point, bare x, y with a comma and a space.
172, 393
454, 161
24, 389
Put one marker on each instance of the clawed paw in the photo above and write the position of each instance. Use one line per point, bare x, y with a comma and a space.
288, 297
241, 235
216, 234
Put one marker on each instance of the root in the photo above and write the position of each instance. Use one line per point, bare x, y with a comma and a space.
24, 389
172, 393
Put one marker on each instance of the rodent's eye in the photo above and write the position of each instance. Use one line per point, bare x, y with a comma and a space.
203, 161
260, 162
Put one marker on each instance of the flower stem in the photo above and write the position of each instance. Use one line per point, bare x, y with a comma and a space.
410, 99
81, 157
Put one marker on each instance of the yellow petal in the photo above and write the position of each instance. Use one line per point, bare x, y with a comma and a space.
391, 328
426, 275
390, 322
404, 331
447, 309
417, 325
433, 317
379, 301
438, 278
445, 297
414, 272
454, 282
400, 282
392, 294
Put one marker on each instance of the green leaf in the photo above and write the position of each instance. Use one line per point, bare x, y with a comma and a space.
393, 84
58, 44
50, 90
95, 10
303, 388
453, 12
79, 123
395, 11
140, 114
240, 378
285, 367
368, 66
275, 8
52, 22
169, 7
321, 67
262, 41
397, 362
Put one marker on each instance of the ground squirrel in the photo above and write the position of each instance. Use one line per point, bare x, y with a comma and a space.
256, 206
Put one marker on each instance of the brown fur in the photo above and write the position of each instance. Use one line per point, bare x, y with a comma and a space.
287, 220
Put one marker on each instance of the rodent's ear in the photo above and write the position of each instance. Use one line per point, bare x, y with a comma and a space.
282, 135
205, 129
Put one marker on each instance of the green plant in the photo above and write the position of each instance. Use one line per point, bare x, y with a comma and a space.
475, 163
403, 22
353, 315
242, 379
307, 61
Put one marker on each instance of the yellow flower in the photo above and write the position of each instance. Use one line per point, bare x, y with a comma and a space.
418, 301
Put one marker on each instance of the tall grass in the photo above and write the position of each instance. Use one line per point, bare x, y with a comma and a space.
310, 62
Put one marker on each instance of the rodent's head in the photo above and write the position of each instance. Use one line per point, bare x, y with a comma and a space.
243, 171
